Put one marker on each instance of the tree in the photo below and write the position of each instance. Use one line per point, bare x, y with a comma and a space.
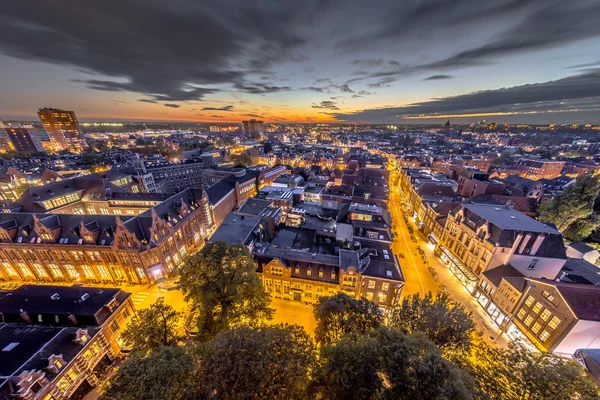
414, 369
445, 322
164, 373
153, 327
487, 366
350, 369
341, 315
223, 288
546, 376
243, 159
258, 363
573, 204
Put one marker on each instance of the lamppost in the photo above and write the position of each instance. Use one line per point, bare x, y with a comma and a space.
530, 285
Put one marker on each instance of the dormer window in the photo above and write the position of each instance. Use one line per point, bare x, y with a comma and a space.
308, 271
55, 363
321, 272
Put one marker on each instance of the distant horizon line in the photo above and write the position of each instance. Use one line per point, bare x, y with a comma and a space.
399, 123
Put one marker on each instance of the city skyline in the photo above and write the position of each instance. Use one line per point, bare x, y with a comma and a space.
336, 61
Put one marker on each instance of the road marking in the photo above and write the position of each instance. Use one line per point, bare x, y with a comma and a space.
139, 298
406, 243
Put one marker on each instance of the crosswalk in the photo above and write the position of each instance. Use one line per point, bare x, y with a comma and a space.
139, 298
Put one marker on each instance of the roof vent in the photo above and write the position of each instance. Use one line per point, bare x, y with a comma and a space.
513, 217
497, 209
55, 296
84, 297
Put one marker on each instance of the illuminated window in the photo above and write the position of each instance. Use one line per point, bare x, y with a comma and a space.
140, 272
538, 306
55, 270
528, 320
40, 271
369, 295
548, 296
87, 271
71, 271
103, 272
554, 322
385, 286
382, 297
349, 281
545, 315
308, 271
529, 301
25, 270
9, 270
372, 284
544, 336
536, 327
521, 313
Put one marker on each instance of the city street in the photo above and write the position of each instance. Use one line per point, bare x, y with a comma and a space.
418, 279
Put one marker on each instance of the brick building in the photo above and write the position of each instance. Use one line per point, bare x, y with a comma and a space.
56, 340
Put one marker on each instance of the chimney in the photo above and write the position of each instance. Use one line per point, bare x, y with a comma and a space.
73, 319
25, 317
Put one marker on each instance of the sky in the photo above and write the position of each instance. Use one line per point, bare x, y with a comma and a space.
383, 61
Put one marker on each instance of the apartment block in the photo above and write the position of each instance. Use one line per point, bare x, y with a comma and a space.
480, 237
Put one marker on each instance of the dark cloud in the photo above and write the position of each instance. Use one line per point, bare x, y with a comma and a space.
527, 25
438, 77
172, 105
252, 115
182, 50
330, 105
224, 108
362, 93
148, 101
574, 93
217, 116
170, 51
260, 88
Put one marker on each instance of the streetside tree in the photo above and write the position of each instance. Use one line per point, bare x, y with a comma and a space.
538, 376
271, 362
163, 373
221, 284
442, 320
341, 315
414, 369
350, 369
487, 365
153, 327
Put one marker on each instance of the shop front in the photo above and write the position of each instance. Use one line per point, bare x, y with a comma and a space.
464, 275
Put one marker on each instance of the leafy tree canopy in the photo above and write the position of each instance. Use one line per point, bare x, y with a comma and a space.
341, 315
164, 373
153, 327
445, 322
572, 210
258, 363
222, 286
